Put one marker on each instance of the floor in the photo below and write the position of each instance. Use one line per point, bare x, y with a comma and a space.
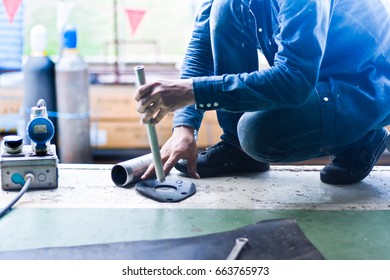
343, 222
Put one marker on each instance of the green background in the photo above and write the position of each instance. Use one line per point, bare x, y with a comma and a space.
169, 22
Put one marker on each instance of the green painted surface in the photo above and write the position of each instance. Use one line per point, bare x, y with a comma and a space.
337, 234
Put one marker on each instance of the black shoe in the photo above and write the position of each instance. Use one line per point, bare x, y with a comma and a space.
355, 163
222, 159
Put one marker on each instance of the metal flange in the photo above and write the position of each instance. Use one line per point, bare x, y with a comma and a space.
171, 190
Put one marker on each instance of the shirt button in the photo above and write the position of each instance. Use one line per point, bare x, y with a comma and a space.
216, 104
326, 99
208, 105
260, 29
201, 105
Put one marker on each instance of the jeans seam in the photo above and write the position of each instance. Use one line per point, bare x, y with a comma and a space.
327, 112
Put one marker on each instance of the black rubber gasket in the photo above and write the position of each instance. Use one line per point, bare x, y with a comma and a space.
171, 190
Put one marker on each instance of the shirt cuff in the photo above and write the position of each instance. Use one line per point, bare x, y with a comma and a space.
207, 92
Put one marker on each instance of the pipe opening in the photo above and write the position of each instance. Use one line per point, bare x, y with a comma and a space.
119, 175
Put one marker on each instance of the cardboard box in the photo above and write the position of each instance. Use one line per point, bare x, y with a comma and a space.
133, 135
209, 134
10, 100
124, 135
10, 104
115, 121
113, 103
116, 103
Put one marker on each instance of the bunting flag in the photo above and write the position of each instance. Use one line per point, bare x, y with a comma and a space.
11, 6
135, 17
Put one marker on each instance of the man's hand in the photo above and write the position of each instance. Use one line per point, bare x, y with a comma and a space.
181, 145
157, 99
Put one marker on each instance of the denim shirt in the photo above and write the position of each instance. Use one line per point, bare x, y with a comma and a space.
337, 49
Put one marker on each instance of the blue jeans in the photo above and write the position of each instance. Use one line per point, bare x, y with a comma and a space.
324, 91
282, 135
274, 135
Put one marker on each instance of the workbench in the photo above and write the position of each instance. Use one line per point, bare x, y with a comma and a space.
343, 222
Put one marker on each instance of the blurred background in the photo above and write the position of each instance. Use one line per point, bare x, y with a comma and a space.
101, 23
113, 36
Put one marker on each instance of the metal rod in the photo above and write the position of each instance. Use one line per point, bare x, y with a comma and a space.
240, 243
151, 129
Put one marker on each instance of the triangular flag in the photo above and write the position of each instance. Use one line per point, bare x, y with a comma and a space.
11, 7
135, 17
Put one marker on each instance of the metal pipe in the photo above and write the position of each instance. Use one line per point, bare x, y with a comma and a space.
151, 129
130, 171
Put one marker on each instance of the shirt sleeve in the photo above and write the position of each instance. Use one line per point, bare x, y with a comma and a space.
301, 40
198, 62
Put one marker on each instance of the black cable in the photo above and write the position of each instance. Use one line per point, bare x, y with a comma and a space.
29, 177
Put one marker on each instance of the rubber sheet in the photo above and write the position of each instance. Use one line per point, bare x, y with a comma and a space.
277, 239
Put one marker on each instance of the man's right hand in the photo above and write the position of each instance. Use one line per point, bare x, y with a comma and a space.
181, 145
